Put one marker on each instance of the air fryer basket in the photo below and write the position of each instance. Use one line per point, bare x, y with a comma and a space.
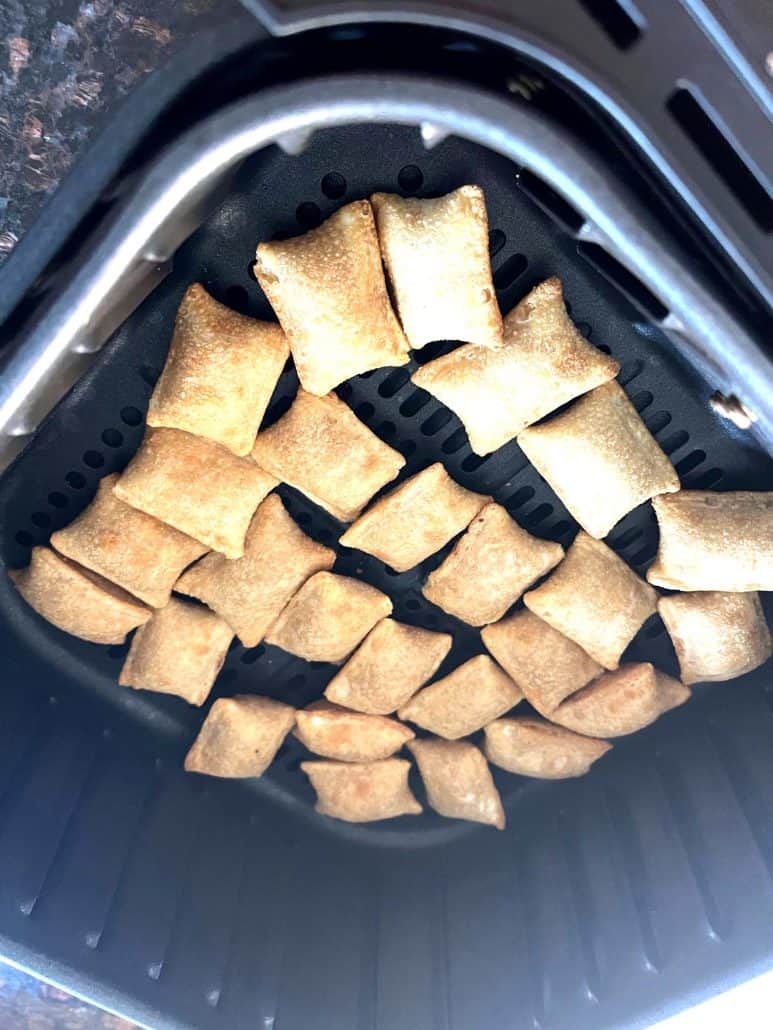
187, 901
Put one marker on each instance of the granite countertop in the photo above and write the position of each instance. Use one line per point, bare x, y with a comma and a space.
65, 65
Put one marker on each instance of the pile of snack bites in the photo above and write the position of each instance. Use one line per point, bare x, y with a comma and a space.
190, 546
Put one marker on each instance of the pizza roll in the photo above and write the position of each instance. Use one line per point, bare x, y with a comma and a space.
716, 636
240, 737
415, 519
534, 747
346, 736
388, 667
180, 650
128, 547
543, 663
489, 568
437, 256
327, 288
474, 694
621, 702
362, 792
458, 781
322, 449
196, 486
220, 373
250, 592
712, 541
76, 600
543, 363
600, 459
328, 618
595, 599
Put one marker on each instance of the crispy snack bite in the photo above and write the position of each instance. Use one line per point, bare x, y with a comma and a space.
334, 732
458, 781
534, 747
240, 737
362, 792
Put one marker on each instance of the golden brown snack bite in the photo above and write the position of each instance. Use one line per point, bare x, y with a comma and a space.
534, 747
600, 458
322, 449
180, 650
328, 618
543, 363
251, 591
458, 781
388, 667
327, 288
621, 702
543, 663
475, 693
220, 373
437, 256
595, 599
415, 519
76, 600
489, 568
334, 732
240, 737
196, 486
133, 550
362, 792
716, 636
713, 541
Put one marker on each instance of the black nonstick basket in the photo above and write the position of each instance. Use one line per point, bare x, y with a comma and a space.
184, 901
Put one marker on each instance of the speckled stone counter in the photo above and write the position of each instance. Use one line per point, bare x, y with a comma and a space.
65, 66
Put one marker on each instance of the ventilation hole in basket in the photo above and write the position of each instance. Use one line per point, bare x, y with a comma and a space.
364, 410
408, 447
657, 423
368, 374
642, 400
618, 18
308, 215
629, 371
603, 348
410, 179
690, 461
520, 497
345, 391
550, 201
507, 273
333, 185
620, 277
390, 571
645, 554
40, 519
675, 441
413, 403
433, 350
709, 479
561, 529
627, 538
149, 374
280, 407
236, 297
303, 518
539, 514
93, 459
394, 381
436, 422
251, 270
233, 645
75, 480
57, 500
24, 538
496, 240
455, 442
474, 461
412, 605
112, 438
386, 429
131, 416
585, 329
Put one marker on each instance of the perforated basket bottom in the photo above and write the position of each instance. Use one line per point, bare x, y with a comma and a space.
97, 428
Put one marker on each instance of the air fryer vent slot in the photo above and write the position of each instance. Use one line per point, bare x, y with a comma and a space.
618, 18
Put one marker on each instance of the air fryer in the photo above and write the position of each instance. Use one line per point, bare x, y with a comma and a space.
184, 901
